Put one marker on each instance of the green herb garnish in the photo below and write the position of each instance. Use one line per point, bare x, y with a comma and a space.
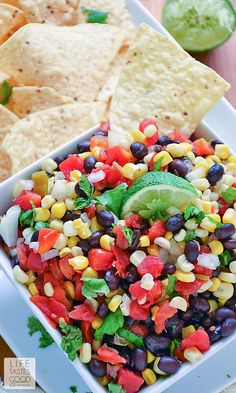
35, 326
129, 234
218, 224
193, 211
5, 93
27, 217
170, 290
131, 337
190, 235
115, 388
85, 186
72, 340
73, 389
93, 286
113, 198
229, 195
95, 16
80, 203
225, 258
111, 324
174, 344
157, 164
155, 210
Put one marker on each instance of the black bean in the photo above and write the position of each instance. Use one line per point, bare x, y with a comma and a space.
157, 148
216, 272
215, 173
228, 327
94, 239
191, 251
112, 279
187, 315
223, 313
149, 323
188, 163
175, 223
172, 322
164, 140
156, 344
224, 232
80, 192
168, 365
176, 330
231, 303
59, 159
97, 368
206, 295
84, 244
124, 285
139, 358
196, 319
89, 164
105, 218
14, 261
206, 322
135, 242
83, 146
70, 216
178, 168
127, 354
131, 274
200, 305
139, 150
230, 244
215, 335
102, 310
216, 142
102, 132
130, 321
168, 269
35, 236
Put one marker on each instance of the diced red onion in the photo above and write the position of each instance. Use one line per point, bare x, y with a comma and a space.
85, 218
59, 176
95, 177
9, 225
49, 255
209, 261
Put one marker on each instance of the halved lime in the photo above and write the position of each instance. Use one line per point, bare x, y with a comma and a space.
161, 186
199, 25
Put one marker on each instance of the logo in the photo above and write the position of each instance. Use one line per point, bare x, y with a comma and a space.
19, 373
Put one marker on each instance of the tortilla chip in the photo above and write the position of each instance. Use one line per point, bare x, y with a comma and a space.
72, 60
38, 134
56, 12
5, 165
11, 18
161, 81
15, 3
28, 99
118, 15
7, 119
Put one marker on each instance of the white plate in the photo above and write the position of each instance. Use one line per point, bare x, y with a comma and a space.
54, 372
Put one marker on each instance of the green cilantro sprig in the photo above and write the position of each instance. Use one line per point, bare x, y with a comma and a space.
190, 235
95, 16
85, 186
174, 344
35, 326
131, 337
111, 324
5, 93
229, 195
72, 340
129, 234
112, 198
115, 388
199, 215
157, 164
155, 210
27, 217
93, 286
170, 290
73, 389
225, 258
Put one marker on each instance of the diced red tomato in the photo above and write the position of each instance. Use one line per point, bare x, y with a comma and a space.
152, 140
138, 312
152, 265
83, 312
112, 176
140, 330
70, 164
47, 238
202, 270
199, 339
138, 292
118, 154
99, 141
179, 354
23, 252
66, 268
147, 122
154, 294
48, 277
122, 261
121, 240
39, 282
55, 269
100, 260
223, 206
91, 211
26, 198
129, 381
78, 288
102, 155
164, 312
205, 250
110, 355
188, 288
60, 296
202, 148
134, 221
87, 331
35, 263
178, 136
158, 229
50, 307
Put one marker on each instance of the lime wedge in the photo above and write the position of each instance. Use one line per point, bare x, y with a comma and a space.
199, 25
160, 186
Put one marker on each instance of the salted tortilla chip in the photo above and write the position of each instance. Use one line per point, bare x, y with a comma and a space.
7, 119
72, 60
11, 18
57, 12
40, 133
5, 165
28, 99
15, 3
161, 81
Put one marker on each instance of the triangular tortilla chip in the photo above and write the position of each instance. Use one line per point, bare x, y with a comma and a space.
161, 81
29, 99
72, 60
5, 165
7, 119
56, 12
36, 135
11, 18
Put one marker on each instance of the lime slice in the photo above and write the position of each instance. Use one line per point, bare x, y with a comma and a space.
161, 186
199, 25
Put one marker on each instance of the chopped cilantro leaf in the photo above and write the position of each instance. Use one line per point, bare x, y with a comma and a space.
111, 324
95, 16
115, 388
86, 186
128, 234
174, 344
73, 389
229, 195
113, 198
27, 217
193, 211
93, 286
131, 337
72, 340
190, 235
225, 258
170, 290
35, 326
156, 210
5, 93
157, 164
80, 203
218, 224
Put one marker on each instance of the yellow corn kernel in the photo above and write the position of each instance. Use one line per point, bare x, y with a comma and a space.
73, 241
168, 235
82, 228
94, 226
138, 136
206, 205
227, 277
166, 158
107, 242
231, 166
152, 249
48, 289
57, 225
61, 242
97, 322
209, 161
111, 294
232, 159
215, 284
75, 175
149, 376
140, 170
64, 252
222, 301
89, 272
229, 217
129, 171
58, 210
184, 277
31, 276
191, 156
76, 251
96, 152
150, 357
150, 130
41, 182
104, 381
178, 151
79, 263
202, 277
47, 201
115, 303
201, 184
70, 289
85, 353
203, 164
70, 205
186, 331
225, 290
193, 354
85, 154
213, 306
41, 214
215, 159
216, 247
222, 151
33, 289
207, 225
144, 241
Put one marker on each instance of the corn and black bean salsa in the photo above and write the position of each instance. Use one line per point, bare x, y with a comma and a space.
138, 285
